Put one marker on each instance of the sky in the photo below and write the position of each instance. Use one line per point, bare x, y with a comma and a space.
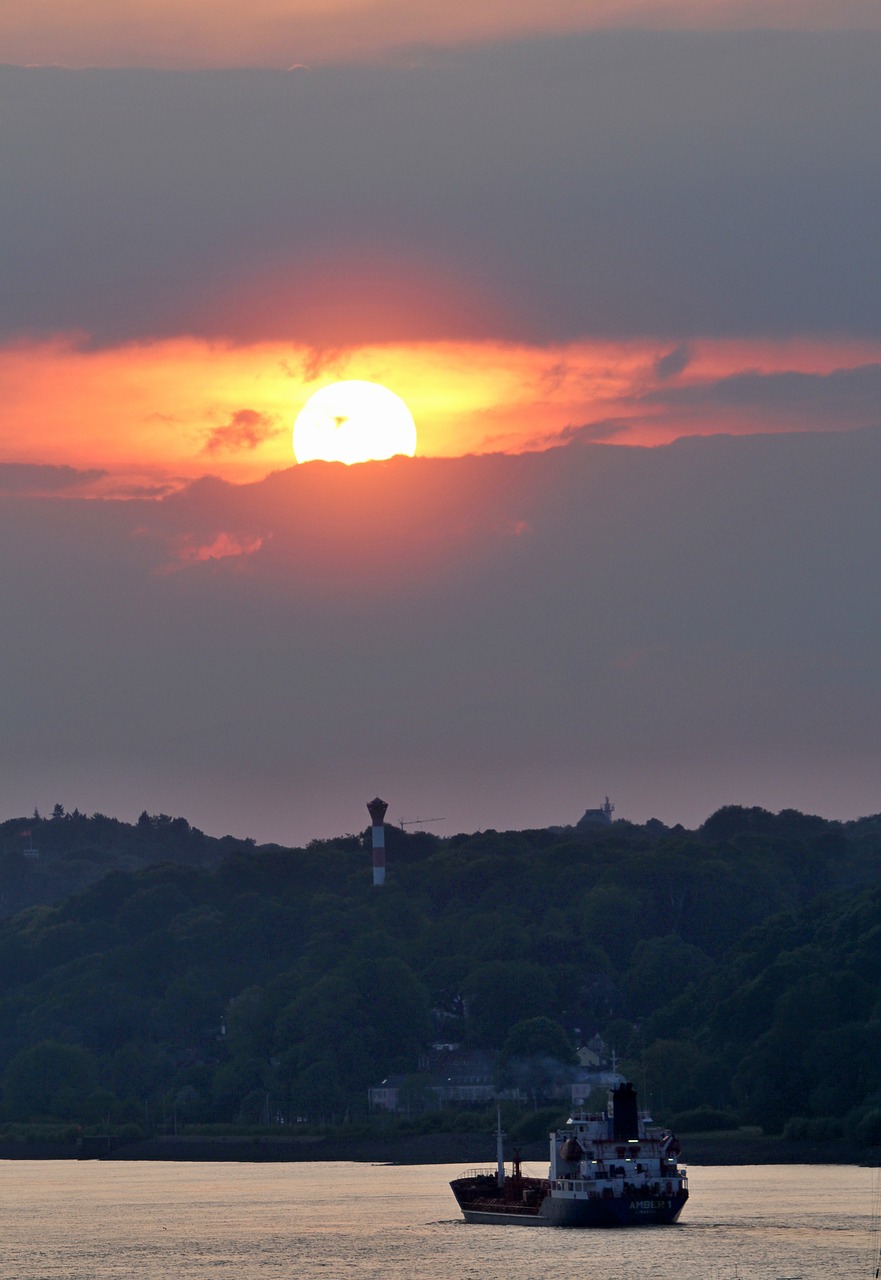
620, 259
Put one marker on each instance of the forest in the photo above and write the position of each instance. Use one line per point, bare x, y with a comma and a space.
149, 972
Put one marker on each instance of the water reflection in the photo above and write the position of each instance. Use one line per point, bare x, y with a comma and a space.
63, 1220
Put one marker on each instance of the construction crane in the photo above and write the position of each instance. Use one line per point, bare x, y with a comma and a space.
419, 822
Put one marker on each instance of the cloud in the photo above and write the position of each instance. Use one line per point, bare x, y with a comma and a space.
41, 479
674, 184
588, 432
674, 362
678, 627
246, 430
193, 550
110, 405
133, 489
843, 396
318, 361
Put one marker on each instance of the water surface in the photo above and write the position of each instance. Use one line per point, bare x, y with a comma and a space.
97, 1220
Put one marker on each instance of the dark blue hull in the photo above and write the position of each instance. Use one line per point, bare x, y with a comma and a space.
613, 1211
478, 1204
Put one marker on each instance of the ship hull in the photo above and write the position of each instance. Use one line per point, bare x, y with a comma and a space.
601, 1211
617, 1211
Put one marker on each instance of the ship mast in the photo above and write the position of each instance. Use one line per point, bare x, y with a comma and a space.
500, 1150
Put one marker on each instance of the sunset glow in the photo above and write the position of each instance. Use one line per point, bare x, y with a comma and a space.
162, 412
177, 33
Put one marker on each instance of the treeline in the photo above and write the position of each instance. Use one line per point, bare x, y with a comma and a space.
734, 968
46, 859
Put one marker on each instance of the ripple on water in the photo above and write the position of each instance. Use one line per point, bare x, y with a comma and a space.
97, 1220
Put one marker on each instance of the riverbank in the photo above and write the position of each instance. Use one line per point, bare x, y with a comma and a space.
469, 1149
463, 1149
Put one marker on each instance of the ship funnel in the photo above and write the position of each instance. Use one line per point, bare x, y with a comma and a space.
625, 1114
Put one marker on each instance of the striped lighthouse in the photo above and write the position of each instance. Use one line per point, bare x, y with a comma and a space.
376, 808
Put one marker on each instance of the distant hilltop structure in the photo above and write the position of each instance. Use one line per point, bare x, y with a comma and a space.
597, 817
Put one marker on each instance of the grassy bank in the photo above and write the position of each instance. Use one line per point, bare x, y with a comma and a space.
470, 1149
464, 1149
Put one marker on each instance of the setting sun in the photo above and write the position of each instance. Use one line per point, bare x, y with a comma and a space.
353, 421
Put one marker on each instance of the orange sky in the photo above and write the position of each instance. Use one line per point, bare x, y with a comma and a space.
225, 221
280, 33
186, 407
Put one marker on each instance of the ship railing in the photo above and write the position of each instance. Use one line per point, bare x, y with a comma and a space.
492, 1172
511, 1208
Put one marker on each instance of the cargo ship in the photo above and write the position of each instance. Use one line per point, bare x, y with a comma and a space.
607, 1169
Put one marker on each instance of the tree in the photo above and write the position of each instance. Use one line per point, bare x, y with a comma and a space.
539, 1038
503, 993
537, 1057
48, 1080
318, 1092
661, 968
610, 920
678, 1075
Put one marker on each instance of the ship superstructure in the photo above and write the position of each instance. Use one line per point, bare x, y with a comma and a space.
613, 1168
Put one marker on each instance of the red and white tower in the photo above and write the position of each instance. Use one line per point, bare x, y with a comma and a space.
376, 808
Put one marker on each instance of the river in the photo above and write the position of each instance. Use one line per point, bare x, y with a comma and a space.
97, 1220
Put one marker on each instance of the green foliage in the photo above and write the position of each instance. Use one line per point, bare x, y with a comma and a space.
703, 1120
812, 1129
319, 1090
866, 1129
155, 976
537, 1059
65, 1134
503, 993
538, 1038
49, 1081
75, 851
536, 1125
661, 968
678, 1074
610, 919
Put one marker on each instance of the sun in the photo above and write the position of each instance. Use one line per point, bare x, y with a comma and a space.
353, 421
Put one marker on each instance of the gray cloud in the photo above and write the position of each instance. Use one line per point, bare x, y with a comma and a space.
843, 396
33, 478
587, 432
679, 627
615, 183
674, 362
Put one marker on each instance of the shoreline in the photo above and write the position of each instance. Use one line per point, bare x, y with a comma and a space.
466, 1149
